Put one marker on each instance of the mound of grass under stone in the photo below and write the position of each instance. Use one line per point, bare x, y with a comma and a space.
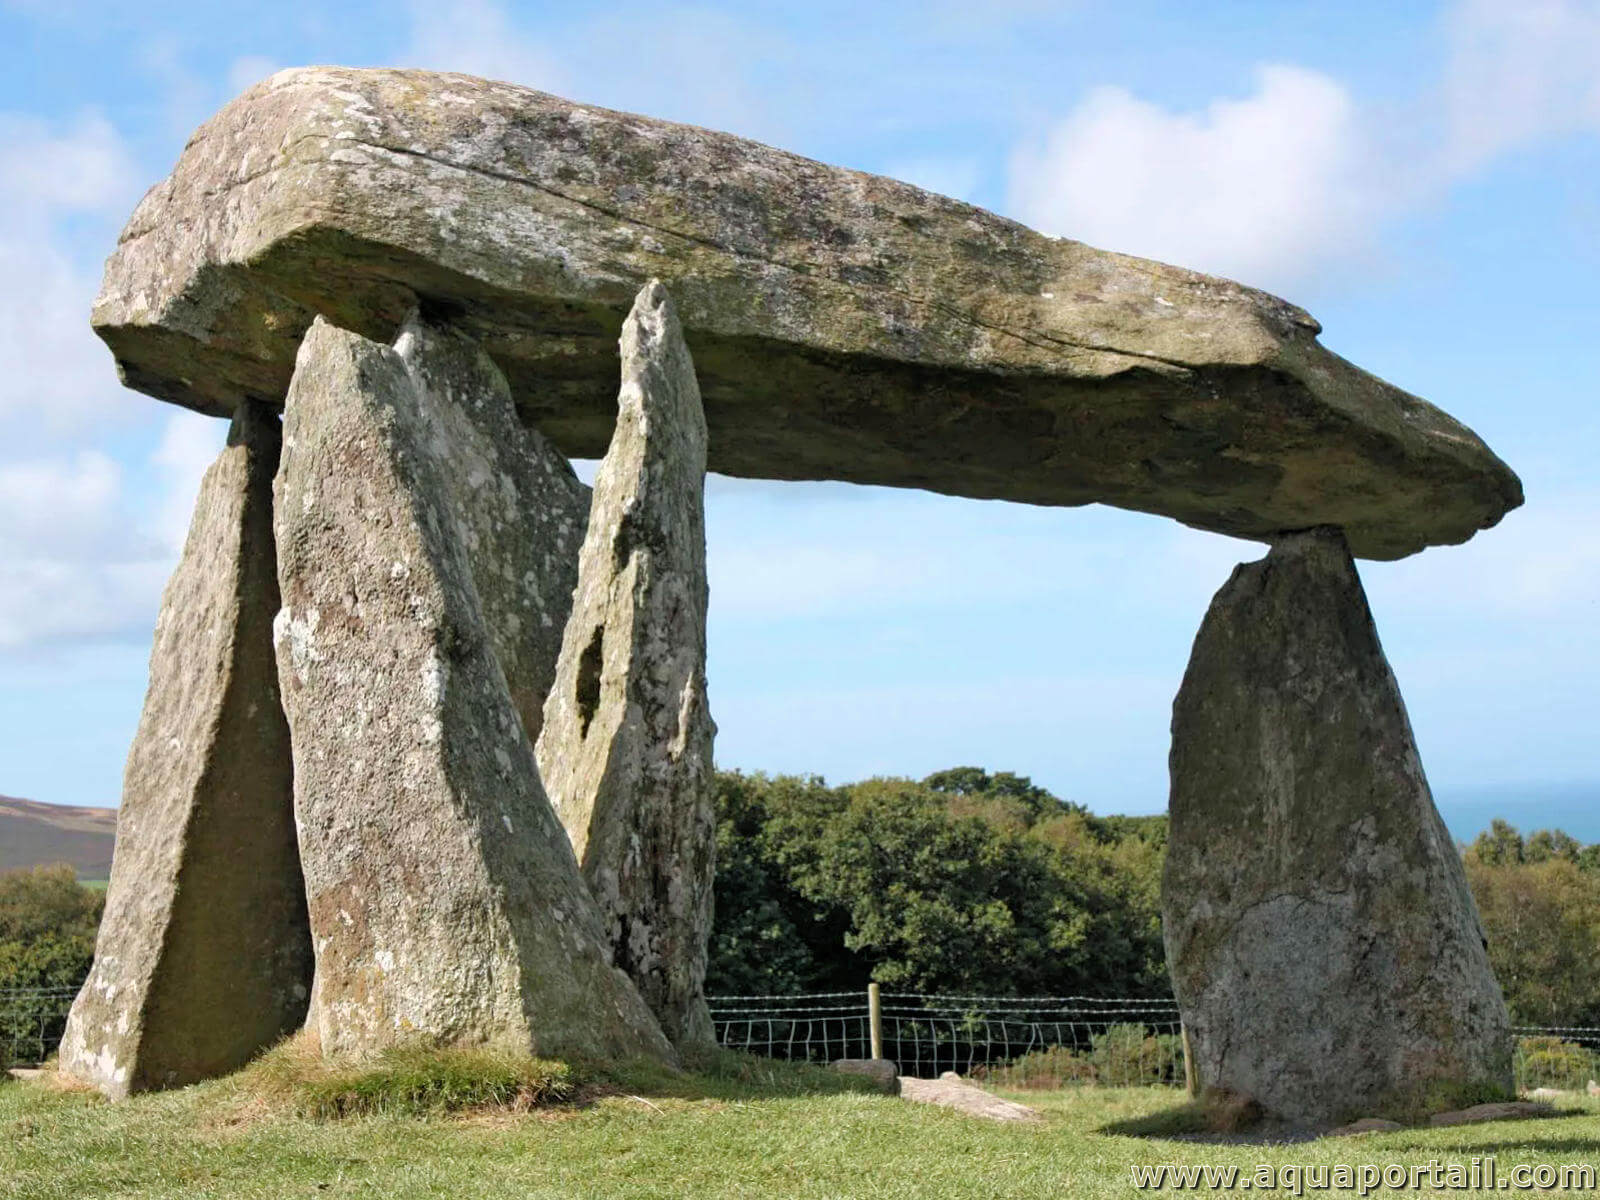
406, 1081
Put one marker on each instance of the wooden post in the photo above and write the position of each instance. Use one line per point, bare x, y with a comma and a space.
875, 1019
1190, 1080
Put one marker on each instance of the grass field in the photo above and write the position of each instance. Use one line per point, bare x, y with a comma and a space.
750, 1129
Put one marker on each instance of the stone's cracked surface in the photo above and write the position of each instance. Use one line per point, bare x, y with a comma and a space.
521, 509
844, 326
626, 752
1323, 945
204, 955
445, 902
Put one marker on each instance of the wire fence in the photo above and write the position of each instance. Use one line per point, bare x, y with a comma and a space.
1010, 1041
31, 1023
1014, 1042
1022, 1042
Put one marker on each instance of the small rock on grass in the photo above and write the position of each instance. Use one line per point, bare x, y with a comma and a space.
880, 1070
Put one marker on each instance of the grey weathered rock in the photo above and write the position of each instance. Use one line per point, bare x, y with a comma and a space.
879, 1070
951, 1091
445, 902
626, 749
204, 955
1324, 947
845, 326
522, 511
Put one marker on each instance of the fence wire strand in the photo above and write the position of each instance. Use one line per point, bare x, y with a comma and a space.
1007, 1041
1046, 1041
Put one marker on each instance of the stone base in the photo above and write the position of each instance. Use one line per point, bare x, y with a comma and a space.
446, 904
626, 747
1322, 941
204, 955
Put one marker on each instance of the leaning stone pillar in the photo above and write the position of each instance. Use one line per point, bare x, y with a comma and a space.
1324, 947
520, 508
626, 748
204, 956
445, 902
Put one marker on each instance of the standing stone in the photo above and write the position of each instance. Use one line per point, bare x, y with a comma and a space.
626, 748
445, 903
521, 509
204, 956
1325, 950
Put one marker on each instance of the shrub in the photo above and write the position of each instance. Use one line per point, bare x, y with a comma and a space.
1127, 1055
1051, 1067
1551, 1062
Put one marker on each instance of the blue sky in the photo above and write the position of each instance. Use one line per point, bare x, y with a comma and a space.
1424, 178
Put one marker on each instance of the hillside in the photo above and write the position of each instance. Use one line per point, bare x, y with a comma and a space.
32, 834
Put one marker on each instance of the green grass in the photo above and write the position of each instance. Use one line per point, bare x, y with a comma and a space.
738, 1127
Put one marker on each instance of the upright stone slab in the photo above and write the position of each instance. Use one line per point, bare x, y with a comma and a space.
626, 749
204, 956
521, 509
1323, 943
445, 902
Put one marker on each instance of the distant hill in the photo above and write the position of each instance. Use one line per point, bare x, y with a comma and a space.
32, 834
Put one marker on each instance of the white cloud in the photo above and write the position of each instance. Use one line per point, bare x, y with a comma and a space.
1295, 178
87, 554
1260, 188
57, 376
86, 546
1519, 71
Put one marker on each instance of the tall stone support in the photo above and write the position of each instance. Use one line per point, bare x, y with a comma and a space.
1324, 946
204, 955
445, 902
520, 508
626, 747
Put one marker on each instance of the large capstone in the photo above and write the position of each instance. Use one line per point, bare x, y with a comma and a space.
1322, 941
626, 748
204, 954
445, 902
844, 326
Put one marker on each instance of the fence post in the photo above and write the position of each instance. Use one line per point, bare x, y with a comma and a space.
1190, 1080
875, 1019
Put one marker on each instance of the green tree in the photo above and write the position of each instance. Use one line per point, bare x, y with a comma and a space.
47, 928
1542, 923
964, 881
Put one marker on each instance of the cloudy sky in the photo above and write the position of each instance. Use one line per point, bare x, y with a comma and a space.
1424, 178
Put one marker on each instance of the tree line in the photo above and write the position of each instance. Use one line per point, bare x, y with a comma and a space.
964, 882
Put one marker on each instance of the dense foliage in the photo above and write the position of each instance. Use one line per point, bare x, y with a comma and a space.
976, 883
1539, 900
47, 927
964, 881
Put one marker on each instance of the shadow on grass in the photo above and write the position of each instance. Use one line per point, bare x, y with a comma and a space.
719, 1075
1222, 1120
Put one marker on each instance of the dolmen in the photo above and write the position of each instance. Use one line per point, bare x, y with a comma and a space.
427, 751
